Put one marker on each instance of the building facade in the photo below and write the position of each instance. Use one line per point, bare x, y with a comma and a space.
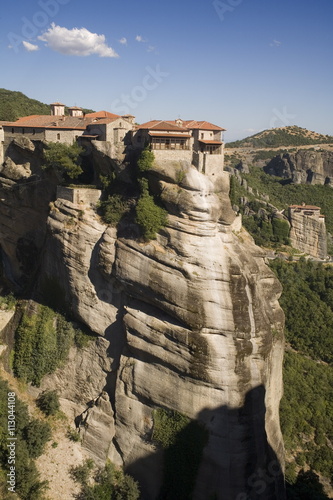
198, 142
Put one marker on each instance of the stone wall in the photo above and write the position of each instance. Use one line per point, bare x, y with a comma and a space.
208, 164
38, 134
170, 155
62, 135
79, 195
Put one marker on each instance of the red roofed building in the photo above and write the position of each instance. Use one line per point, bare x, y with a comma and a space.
57, 127
199, 142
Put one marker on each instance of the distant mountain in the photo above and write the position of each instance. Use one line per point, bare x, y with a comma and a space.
14, 105
282, 137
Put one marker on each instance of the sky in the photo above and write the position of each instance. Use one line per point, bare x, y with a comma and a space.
246, 65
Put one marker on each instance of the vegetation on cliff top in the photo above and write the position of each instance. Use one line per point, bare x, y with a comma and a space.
282, 137
149, 215
65, 159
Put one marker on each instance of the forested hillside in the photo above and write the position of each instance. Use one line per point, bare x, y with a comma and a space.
282, 137
14, 105
307, 405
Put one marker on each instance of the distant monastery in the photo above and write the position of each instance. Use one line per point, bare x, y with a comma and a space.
198, 142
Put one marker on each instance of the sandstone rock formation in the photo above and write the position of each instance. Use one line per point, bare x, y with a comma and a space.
305, 166
189, 322
308, 231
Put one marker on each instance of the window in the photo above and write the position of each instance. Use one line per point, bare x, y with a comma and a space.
33, 131
58, 137
23, 130
202, 135
12, 130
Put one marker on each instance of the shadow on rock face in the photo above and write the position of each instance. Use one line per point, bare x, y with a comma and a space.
224, 455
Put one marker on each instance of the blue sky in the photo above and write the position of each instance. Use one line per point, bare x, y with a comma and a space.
246, 65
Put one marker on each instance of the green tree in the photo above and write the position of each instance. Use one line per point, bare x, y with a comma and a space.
113, 209
146, 160
37, 434
64, 159
150, 217
280, 230
48, 402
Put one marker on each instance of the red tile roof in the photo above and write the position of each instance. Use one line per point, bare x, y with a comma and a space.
172, 125
162, 125
161, 134
60, 122
49, 121
202, 125
102, 114
210, 142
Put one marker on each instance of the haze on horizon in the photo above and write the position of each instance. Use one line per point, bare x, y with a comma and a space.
246, 66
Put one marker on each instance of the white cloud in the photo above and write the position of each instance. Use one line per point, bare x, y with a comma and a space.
30, 47
123, 41
151, 48
140, 38
275, 43
76, 42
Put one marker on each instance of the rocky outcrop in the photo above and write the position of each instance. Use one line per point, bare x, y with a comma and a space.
193, 325
305, 166
188, 322
308, 231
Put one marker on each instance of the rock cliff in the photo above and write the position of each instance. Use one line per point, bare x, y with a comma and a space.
305, 166
308, 233
188, 322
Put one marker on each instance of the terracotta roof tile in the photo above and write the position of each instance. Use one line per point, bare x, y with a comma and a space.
204, 141
187, 124
102, 114
162, 125
202, 125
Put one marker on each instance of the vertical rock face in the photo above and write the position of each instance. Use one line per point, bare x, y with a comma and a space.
308, 232
305, 166
191, 323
